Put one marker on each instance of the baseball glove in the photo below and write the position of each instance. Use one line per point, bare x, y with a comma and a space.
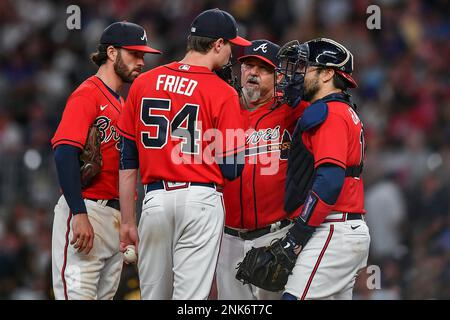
90, 157
267, 267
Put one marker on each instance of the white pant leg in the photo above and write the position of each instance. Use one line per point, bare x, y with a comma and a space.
233, 251
155, 246
76, 275
328, 265
199, 224
110, 274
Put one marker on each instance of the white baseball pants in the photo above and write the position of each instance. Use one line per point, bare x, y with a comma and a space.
328, 265
77, 276
179, 239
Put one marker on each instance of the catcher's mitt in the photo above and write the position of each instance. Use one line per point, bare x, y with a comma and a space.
267, 267
90, 157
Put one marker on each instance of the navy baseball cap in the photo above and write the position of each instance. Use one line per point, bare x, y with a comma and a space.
215, 24
263, 50
127, 35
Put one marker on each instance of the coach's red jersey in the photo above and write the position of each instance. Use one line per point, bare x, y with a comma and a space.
178, 115
340, 141
256, 199
92, 103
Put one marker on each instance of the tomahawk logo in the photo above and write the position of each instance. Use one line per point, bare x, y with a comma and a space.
144, 37
263, 47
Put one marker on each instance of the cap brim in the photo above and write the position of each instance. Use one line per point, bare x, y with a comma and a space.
240, 41
258, 57
350, 80
146, 49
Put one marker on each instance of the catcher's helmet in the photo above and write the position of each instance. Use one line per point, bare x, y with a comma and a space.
328, 53
324, 52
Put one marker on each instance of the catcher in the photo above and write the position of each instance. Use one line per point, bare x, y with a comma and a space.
87, 215
321, 254
254, 202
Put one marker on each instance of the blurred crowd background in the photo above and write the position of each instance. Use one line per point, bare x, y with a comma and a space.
403, 99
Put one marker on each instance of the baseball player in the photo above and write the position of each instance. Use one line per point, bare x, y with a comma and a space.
171, 114
330, 236
254, 202
86, 261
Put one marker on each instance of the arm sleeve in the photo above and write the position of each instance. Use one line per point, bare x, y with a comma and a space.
328, 182
232, 166
68, 169
79, 114
230, 124
129, 158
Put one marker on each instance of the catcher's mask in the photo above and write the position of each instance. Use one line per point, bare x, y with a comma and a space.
295, 57
226, 74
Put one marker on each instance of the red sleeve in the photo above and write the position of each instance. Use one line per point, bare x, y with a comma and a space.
78, 116
126, 123
230, 123
329, 142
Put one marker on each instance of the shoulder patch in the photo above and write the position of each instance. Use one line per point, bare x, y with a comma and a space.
313, 115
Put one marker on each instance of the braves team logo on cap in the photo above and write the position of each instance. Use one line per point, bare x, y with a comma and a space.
127, 35
262, 47
263, 50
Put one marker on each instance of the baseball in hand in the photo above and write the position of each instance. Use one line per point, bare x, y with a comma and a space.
130, 255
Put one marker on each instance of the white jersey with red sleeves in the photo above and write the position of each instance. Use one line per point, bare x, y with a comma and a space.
92, 103
179, 117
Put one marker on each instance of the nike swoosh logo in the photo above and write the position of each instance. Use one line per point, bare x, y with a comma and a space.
287, 245
103, 107
143, 37
145, 202
355, 227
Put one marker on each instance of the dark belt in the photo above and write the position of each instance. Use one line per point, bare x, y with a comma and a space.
253, 234
113, 203
345, 217
354, 216
164, 185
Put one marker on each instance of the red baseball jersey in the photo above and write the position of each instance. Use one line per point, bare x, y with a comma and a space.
181, 117
340, 141
92, 103
256, 199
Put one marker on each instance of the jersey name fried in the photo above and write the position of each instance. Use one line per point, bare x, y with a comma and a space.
176, 84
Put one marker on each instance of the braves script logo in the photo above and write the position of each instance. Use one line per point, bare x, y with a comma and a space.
107, 131
263, 47
271, 137
269, 134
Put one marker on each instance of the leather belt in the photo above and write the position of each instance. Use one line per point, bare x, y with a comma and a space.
113, 203
253, 234
345, 217
178, 185
354, 216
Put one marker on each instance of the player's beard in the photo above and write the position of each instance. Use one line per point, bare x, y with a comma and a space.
252, 93
310, 88
123, 71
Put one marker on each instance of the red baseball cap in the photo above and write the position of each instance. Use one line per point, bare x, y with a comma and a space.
127, 35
